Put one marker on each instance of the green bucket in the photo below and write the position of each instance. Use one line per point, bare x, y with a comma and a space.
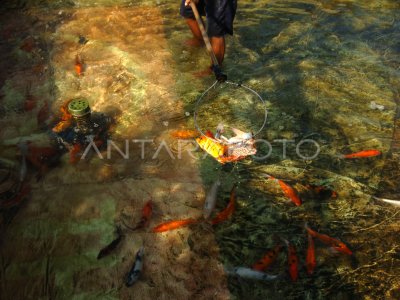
79, 107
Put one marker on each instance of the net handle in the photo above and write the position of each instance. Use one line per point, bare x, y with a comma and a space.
237, 85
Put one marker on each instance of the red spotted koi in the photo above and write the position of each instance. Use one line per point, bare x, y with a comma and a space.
327, 240
267, 259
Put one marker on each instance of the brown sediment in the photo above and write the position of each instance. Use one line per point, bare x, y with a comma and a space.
74, 209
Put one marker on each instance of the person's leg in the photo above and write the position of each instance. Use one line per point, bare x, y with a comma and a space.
187, 13
218, 46
197, 39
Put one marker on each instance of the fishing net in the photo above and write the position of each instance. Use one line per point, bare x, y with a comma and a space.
234, 109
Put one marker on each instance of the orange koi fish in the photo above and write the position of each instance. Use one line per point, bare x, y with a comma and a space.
185, 134
65, 114
171, 225
288, 191
310, 259
228, 211
66, 118
61, 126
78, 65
73, 153
147, 211
293, 261
267, 259
362, 154
327, 240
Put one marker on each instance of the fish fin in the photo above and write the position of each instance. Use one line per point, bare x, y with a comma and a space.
237, 131
333, 250
285, 241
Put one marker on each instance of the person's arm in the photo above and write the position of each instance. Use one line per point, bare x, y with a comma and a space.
187, 2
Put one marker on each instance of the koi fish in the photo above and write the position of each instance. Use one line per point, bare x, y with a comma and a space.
267, 259
110, 247
228, 211
288, 191
211, 199
134, 274
362, 154
78, 65
185, 134
61, 126
327, 240
310, 259
171, 225
73, 153
293, 261
393, 202
147, 211
65, 114
248, 273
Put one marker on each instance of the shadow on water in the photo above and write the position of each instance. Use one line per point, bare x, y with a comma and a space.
314, 63
25, 69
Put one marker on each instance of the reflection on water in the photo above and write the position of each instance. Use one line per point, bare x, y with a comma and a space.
328, 71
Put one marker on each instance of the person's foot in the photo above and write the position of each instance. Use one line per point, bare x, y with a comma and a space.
193, 42
204, 73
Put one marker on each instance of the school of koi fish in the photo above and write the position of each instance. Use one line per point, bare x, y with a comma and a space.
257, 271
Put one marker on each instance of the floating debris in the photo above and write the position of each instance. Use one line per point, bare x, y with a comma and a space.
82, 40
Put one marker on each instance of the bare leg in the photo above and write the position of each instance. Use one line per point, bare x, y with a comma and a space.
218, 46
197, 39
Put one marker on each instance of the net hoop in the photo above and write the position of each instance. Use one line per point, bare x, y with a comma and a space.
237, 85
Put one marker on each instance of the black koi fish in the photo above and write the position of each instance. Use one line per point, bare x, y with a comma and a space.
136, 270
110, 247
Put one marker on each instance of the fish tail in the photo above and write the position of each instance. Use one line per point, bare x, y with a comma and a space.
119, 230
270, 177
285, 241
309, 230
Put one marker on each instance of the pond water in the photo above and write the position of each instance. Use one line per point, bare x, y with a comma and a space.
328, 75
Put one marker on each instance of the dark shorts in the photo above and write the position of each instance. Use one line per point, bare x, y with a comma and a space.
219, 13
